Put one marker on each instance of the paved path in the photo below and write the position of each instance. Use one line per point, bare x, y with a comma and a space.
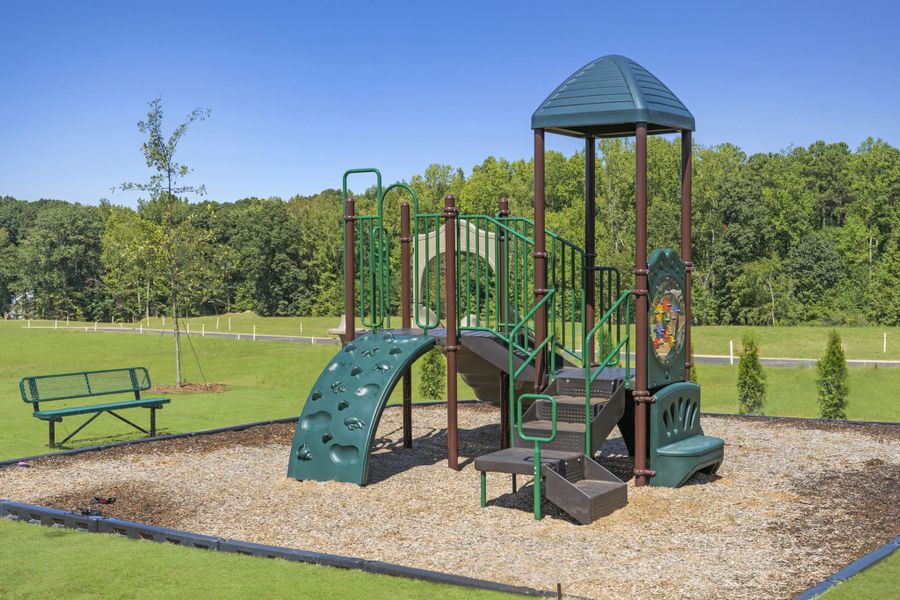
712, 359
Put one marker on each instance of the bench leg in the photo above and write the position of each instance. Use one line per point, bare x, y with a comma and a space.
52, 434
152, 421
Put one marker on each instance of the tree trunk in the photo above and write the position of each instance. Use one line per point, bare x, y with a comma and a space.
177, 334
772, 294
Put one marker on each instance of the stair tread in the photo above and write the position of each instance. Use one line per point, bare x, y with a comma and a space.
597, 487
521, 460
560, 426
579, 400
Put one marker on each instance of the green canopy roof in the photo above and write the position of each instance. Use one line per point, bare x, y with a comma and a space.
607, 98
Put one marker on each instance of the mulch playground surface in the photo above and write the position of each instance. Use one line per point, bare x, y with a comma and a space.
794, 501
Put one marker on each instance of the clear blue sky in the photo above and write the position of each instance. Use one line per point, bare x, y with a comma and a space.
300, 91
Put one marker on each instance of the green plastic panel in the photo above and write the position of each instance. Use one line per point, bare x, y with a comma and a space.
665, 321
678, 448
334, 435
607, 98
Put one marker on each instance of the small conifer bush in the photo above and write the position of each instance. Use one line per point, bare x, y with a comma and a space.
434, 376
751, 379
832, 382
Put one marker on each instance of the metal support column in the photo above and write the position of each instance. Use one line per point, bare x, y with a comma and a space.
349, 273
452, 341
590, 250
406, 318
503, 318
540, 261
686, 165
641, 395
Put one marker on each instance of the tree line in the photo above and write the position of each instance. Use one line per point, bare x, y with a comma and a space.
805, 235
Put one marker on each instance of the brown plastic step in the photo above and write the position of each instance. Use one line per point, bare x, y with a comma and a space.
569, 436
520, 461
568, 408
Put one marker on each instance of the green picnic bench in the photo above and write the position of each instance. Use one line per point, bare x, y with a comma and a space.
89, 384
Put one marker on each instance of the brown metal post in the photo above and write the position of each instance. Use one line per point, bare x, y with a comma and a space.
406, 318
349, 272
686, 165
540, 259
503, 316
641, 395
451, 347
590, 250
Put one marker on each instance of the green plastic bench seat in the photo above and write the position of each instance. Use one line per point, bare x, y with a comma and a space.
678, 448
696, 445
84, 410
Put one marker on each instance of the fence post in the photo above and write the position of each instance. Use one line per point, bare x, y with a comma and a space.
95, 325
884, 348
55, 324
217, 323
203, 330
142, 327
229, 323
254, 333
731, 352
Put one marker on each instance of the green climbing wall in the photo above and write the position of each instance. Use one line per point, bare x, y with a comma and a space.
334, 435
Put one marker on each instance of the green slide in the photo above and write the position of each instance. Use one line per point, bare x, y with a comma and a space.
335, 432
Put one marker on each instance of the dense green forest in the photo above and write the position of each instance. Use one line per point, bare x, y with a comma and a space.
803, 235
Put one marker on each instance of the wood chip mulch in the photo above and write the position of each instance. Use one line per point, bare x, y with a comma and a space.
791, 504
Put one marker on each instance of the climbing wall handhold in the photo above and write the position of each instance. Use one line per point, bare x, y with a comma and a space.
303, 452
354, 423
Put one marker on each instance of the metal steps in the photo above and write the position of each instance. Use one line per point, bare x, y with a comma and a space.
595, 494
575, 483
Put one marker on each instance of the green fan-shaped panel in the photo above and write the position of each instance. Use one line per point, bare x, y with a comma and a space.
333, 439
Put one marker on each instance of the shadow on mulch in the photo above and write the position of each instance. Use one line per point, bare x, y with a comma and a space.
845, 510
144, 501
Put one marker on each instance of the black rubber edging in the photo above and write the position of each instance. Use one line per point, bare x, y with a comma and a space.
175, 436
52, 517
852, 569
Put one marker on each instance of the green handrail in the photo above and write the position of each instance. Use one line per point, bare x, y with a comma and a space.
537, 443
513, 347
612, 358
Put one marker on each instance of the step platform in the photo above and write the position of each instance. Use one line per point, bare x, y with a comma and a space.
575, 483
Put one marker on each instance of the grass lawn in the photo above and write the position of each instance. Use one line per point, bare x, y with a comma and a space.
268, 380
881, 580
791, 392
775, 342
82, 565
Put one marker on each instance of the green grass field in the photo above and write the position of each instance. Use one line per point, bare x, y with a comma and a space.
82, 565
267, 380
776, 342
881, 580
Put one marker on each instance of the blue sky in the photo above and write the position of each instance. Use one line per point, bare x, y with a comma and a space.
301, 91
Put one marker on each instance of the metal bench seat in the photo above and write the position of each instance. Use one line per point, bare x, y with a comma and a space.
89, 384
57, 413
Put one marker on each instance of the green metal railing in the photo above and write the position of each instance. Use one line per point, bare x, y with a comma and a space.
537, 443
427, 290
525, 352
565, 273
612, 358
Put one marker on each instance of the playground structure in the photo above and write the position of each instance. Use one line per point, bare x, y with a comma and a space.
514, 308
